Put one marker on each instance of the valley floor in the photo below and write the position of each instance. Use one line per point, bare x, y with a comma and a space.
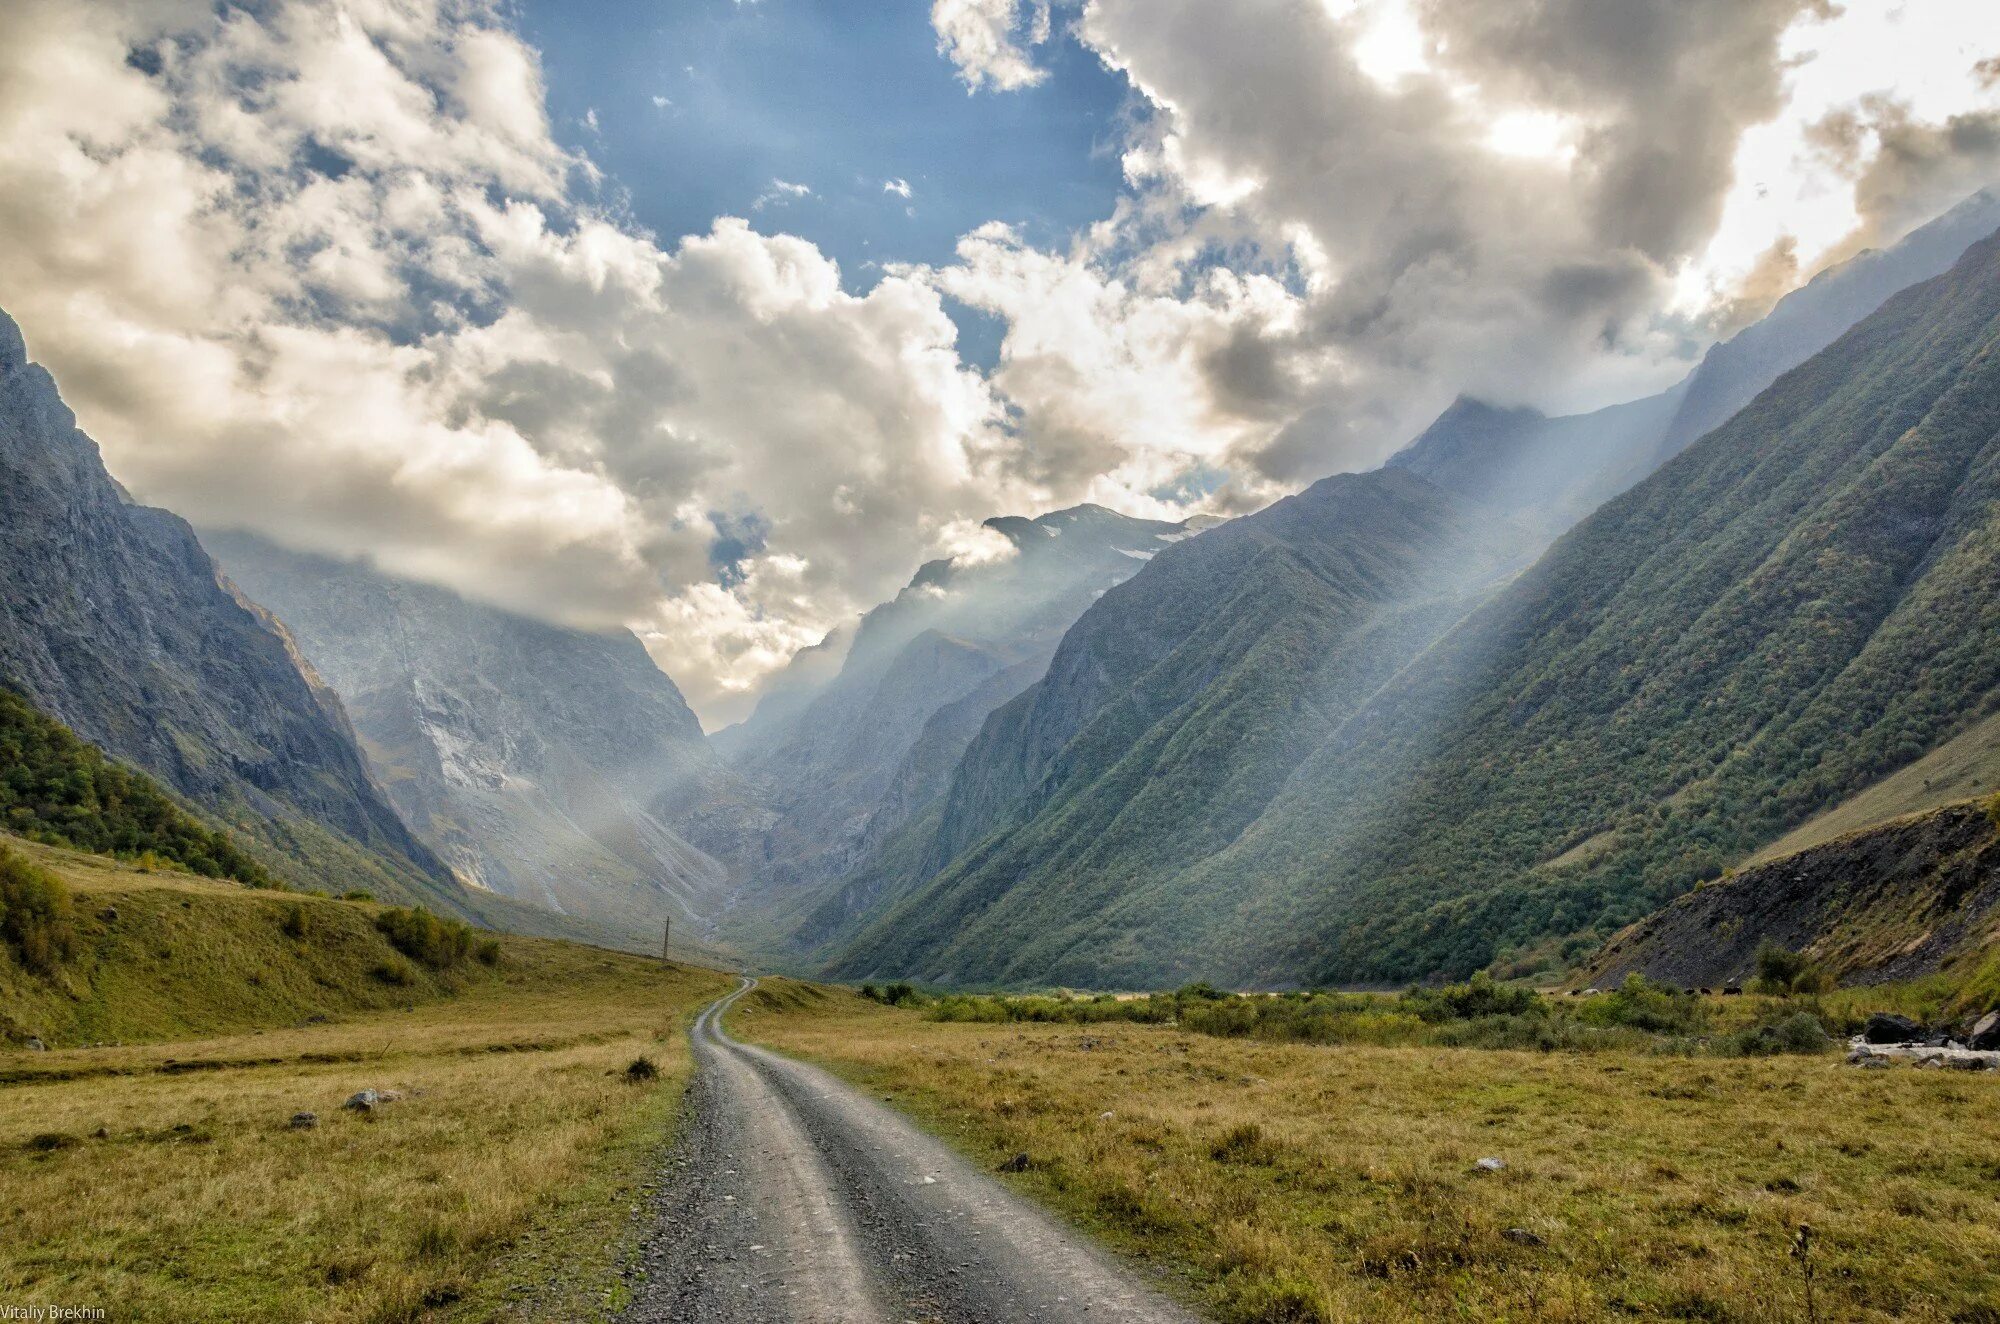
166, 1181
1294, 1182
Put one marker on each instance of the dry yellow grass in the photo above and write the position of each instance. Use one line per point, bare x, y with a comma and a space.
186, 1194
1301, 1183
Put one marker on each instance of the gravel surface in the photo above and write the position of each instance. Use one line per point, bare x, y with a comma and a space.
792, 1197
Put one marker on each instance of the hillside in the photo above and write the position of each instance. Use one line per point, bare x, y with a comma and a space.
57, 790
1795, 607
1966, 767
114, 622
1895, 902
200, 1041
541, 763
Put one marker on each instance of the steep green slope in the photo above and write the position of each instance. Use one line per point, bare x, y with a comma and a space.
1796, 606
114, 622
59, 791
1192, 691
844, 761
1966, 767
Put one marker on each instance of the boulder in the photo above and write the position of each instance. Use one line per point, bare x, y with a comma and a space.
304, 1121
1520, 1236
35, 1045
1888, 1028
1490, 1165
1985, 1037
362, 1102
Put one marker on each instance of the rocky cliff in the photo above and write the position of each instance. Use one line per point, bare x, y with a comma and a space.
549, 765
114, 621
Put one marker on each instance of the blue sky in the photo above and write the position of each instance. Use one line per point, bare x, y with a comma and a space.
840, 97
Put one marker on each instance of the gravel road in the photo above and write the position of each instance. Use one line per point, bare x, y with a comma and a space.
791, 1198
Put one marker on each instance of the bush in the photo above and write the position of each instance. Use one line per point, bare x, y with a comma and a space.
393, 973
358, 894
896, 995
1480, 997
295, 923
642, 1070
1780, 972
36, 917
489, 952
1643, 1005
426, 938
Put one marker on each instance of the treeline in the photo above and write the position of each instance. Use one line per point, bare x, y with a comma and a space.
59, 790
1639, 1016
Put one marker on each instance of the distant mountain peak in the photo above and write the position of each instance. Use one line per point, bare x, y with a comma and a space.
13, 348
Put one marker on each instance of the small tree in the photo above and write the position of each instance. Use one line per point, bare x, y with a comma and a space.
1782, 972
36, 917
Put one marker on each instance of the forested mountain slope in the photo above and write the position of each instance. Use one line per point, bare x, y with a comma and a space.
113, 622
1794, 607
546, 764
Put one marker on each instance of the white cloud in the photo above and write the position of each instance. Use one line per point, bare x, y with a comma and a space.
899, 187
321, 275
989, 41
1342, 214
780, 192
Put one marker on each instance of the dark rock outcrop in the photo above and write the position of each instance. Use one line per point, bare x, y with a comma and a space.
1891, 902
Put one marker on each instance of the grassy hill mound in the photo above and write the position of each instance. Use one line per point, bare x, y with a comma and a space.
126, 953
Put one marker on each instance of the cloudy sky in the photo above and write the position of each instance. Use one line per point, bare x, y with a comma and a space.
714, 318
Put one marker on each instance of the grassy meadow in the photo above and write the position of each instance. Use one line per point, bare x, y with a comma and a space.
1287, 1182
148, 1164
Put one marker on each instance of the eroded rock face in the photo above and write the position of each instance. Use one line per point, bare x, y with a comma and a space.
1844, 903
113, 621
556, 766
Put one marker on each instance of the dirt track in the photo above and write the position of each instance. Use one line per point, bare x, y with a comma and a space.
794, 1198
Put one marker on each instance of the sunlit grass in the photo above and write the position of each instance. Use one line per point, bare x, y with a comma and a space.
165, 1181
1297, 1182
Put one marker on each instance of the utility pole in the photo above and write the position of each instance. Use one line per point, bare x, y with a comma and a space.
666, 940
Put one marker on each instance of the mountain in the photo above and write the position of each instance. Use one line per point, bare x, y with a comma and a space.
845, 760
115, 623
1781, 615
545, 764
1169, 717
1558, 470
1896, 901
